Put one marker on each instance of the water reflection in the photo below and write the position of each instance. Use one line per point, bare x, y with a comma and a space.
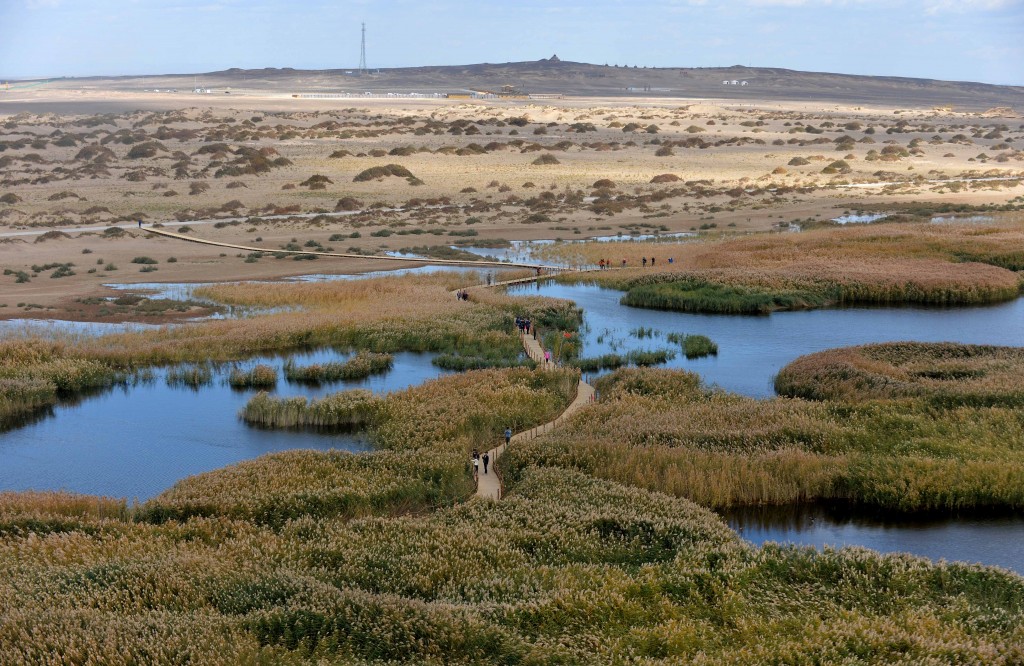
991, 540
752, 349
136, 441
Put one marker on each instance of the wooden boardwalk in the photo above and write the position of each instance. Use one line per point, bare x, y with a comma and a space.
489, 485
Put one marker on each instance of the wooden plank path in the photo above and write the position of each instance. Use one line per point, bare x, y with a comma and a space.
489, 485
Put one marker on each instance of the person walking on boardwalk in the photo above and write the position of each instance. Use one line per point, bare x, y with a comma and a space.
486, 459
476, 468
652, 262
645, 262
508, 437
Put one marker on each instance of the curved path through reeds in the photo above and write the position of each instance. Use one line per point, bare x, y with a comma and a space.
489, 485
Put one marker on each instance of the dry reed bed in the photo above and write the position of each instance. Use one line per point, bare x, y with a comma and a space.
944, 373
415, 313
299, 557
882, 263
662, 431
568, 569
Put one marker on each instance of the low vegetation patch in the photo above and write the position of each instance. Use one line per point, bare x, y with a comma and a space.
943, 374
261, 376
694, 346
360, 366
342, 411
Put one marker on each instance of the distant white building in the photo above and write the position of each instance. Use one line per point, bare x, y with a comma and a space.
743, 83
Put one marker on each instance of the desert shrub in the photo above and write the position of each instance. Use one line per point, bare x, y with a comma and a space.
545, 159
317, 182
144, 260
381, 172
799, 161
146, 149
665, 178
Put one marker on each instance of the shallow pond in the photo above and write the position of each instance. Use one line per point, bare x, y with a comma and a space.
864, 218
752, 349
136, 441
993, 541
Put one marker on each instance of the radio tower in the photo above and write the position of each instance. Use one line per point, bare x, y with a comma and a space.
362, 54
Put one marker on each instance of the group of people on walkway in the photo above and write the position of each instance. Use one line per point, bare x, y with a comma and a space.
462, 294
485, 458
607, 263
526, 327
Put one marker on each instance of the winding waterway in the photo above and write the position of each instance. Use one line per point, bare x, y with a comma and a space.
752, 349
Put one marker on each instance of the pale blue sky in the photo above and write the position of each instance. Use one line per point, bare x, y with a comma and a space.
976, 40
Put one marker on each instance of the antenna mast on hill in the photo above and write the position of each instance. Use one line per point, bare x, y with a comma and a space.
362, 54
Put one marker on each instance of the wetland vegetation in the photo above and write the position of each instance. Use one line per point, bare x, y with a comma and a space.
604, 549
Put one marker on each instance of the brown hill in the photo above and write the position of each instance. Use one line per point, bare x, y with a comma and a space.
553, 75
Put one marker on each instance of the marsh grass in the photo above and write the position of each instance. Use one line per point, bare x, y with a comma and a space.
885, 264
192, 376
260, 376
661, 430
384, 315
941, 374
360, 366
694, 346
343, 411
636, 357
695, 295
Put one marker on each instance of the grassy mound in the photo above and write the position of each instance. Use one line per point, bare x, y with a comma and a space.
694, 295
381, 172
944, 374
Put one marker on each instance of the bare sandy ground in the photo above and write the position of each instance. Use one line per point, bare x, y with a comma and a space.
67, 162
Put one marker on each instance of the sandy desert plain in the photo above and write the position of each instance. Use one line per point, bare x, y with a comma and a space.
605, 548
617, 166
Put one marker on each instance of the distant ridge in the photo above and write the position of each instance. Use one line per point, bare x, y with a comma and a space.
554, 75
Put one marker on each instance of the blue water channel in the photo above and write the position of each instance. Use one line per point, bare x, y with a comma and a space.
136, 441
752, 349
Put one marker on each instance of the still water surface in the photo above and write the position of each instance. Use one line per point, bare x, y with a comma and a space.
136, 441
753, 349
997, 541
